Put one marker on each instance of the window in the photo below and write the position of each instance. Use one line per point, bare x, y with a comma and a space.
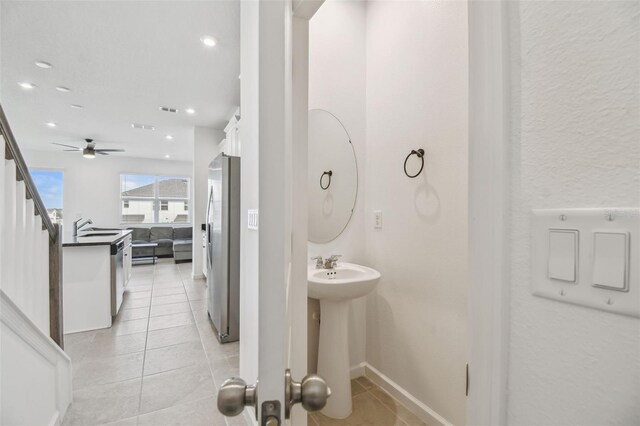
49, 184
154, 199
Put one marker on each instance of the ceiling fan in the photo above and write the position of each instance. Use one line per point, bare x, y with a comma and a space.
90, 150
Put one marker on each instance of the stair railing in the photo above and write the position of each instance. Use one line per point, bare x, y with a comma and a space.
12, 152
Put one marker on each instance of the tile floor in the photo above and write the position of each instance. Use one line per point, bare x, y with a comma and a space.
371, 406
160, 362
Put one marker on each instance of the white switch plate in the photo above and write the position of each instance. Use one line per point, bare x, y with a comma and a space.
587, 289
252, 219
377, 219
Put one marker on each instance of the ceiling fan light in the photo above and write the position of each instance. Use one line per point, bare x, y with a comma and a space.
88, 153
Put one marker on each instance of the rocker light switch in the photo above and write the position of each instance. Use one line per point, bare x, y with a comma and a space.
610, 260
563, 247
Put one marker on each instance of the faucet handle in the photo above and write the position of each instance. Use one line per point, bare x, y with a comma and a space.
318, 260
335, 257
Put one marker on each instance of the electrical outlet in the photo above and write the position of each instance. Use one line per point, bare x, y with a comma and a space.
377, 219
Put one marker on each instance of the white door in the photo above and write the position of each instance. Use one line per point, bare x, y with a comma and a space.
274, 62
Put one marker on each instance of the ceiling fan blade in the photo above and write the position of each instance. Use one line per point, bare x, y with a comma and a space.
100, 152
61, 144
109, 150
74, 150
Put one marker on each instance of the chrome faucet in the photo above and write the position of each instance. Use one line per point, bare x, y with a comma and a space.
319, 262
331, 262
77, 227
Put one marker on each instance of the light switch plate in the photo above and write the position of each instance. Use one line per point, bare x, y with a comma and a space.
252, 219
597, 272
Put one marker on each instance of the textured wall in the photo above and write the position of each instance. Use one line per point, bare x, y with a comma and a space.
417, 97
575, 143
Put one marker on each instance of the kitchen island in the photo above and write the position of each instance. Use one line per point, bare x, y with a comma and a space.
96, 269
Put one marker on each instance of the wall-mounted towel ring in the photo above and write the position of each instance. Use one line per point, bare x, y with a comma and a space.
329, 173
420, 154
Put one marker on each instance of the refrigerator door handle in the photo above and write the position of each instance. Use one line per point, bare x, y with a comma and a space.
209, 227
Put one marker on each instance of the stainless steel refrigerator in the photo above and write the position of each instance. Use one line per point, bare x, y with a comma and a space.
223, 247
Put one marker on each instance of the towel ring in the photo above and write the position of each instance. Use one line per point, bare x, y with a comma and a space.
420, 154
329, 173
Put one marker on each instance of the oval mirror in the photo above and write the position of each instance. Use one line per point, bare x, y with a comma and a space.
333, 177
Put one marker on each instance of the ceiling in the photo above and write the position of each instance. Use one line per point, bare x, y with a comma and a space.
122, 62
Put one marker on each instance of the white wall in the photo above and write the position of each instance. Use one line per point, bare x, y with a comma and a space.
575, 139
92, 187
337, 84
205, 149
417, 97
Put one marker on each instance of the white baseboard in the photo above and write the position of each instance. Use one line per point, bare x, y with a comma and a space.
357, 370
420, 409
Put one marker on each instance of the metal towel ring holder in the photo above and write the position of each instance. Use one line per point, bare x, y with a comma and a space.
329, 173
420, 154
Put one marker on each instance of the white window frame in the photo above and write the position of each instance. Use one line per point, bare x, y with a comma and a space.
157, 199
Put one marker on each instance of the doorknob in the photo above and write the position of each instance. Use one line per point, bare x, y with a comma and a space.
312, 393
234, 395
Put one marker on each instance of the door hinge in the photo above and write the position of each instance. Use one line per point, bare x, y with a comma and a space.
466, 392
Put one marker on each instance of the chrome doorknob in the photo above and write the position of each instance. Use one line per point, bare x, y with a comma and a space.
234, 395
312, 392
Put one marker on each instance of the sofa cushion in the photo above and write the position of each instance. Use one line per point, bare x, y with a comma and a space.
163, 242
182, 233
161, 233
140, 234
182, 245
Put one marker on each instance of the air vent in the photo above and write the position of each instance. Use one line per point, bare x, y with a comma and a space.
142, 126
168, 109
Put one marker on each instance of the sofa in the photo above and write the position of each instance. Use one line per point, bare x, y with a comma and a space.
176, 242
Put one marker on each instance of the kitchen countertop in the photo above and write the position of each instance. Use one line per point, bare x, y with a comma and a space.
105, 238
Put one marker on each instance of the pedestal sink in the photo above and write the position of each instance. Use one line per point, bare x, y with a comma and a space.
335, 288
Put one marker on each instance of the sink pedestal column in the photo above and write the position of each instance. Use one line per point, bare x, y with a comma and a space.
333, 357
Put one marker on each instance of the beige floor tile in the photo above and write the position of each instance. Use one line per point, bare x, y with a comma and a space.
198, 305
168, 291
173, 320
175, 387
201, 316
356, 388
222, 370
170, 308
124, 327
105, 345
311, 420
172, 336
136, 303
77, 344
131, 421
102, 371
202, 412
165, 300
198, 294
172, 357
139, 288
395, 406
167, 278
133, 313
366, 383
132, 295
103, 404
170, 284
367, 410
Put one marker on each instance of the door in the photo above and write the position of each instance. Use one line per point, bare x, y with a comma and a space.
273, 254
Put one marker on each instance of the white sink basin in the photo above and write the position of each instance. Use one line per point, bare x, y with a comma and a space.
346, 281
335, 288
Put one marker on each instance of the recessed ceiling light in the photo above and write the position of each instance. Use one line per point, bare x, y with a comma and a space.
143, 126
190, 111
167, 156
43, 64
51, 124
208, 41
76, 106
169, 137
27, 86
63, 89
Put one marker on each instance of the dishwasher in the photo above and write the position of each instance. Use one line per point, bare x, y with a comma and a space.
117, 276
